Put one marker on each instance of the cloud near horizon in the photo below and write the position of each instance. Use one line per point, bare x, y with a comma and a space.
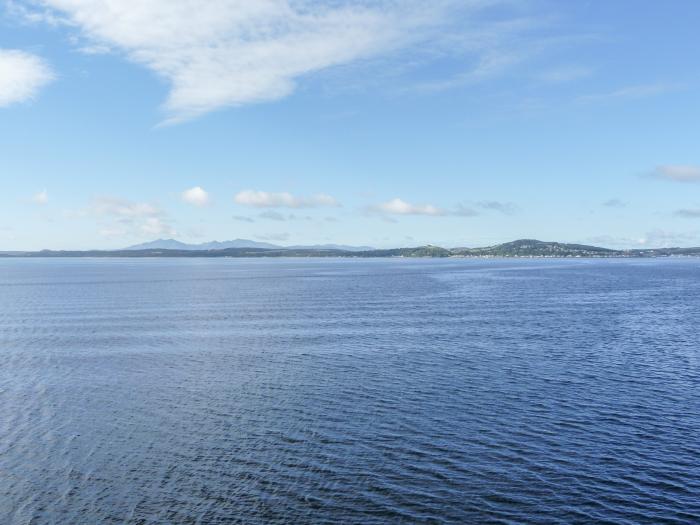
264, 199
130, 218
22, 75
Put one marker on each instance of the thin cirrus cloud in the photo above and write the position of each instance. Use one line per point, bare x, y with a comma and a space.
264, 199
22, 75
224, 53
678, 173
196, 196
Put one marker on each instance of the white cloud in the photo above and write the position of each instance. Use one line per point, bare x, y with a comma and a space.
678, 173
22, 75
400, 207
41, 198
223, 53
156, 226
264, 199
134, 218
123, 208
196, 196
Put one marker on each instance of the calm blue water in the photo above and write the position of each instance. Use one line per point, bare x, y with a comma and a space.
349, 391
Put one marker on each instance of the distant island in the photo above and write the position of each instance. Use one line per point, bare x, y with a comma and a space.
523, 248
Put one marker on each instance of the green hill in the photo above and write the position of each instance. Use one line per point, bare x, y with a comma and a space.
535, 248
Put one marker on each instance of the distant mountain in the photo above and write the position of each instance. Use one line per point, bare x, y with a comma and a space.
172, 244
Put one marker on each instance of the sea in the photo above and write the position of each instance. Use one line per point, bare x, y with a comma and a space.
349, 391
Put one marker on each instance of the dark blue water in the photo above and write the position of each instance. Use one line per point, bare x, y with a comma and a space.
349, 391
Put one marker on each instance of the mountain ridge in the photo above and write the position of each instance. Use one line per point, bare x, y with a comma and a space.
172, 244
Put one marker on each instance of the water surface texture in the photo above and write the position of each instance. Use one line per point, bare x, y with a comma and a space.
349, 391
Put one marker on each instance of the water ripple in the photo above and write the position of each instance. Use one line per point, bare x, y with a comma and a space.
327, 391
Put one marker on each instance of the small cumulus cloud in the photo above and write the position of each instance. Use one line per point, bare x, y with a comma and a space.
243, 218
22, 75
41, 198
195, 196
678, 173
264, 199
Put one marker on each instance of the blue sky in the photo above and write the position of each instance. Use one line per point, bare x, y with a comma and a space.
384, 122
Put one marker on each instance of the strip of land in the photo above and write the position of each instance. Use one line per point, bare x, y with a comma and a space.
524, 248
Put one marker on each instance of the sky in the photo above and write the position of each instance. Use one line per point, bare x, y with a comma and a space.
367, 122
